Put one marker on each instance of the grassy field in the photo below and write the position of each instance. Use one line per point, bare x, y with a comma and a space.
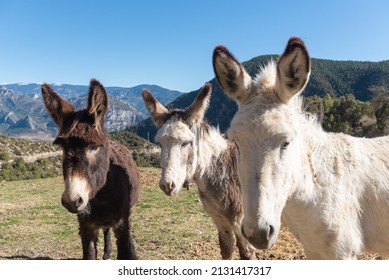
34, 225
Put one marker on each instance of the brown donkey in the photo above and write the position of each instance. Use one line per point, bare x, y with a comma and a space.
101, 179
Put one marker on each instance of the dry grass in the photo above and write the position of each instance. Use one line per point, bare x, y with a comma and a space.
34, 225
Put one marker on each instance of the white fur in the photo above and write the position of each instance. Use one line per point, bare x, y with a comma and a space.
174, 171
330, 189
76, 188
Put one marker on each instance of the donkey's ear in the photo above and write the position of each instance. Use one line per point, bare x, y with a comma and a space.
55, 105
231, 75
97, 102
293, 70
157, 110
196, 111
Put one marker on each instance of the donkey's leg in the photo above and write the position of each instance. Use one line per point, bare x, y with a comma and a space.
226, 241
246, 251
124, 242
131, 242
107, 244
89, 241
133, 254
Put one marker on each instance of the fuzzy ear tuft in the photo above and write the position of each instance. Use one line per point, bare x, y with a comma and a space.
97, 103
57, 107
196, 111
157, 110
293, 70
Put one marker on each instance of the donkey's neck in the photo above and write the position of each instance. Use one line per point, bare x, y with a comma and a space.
329, 162
210, 146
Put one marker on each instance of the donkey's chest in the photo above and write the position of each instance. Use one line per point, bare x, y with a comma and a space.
105, 211
102, 216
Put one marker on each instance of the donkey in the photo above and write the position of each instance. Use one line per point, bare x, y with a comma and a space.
192, 149
330, 189
101, 179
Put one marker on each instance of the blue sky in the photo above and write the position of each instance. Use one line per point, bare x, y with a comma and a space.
170, 42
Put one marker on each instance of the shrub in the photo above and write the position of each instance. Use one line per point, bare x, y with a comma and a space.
4, 156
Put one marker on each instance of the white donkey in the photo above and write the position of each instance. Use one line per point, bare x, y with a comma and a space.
190, 148
330, 189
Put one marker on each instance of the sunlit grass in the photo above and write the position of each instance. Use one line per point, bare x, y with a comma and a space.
33, 224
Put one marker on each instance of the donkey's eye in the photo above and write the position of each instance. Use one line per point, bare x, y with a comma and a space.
285, 145
185, 144
93, 149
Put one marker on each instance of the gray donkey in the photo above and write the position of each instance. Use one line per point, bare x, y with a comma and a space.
193, 150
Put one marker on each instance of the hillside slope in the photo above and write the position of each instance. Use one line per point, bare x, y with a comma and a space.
336, 78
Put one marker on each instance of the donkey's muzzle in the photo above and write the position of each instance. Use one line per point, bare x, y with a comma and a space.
167, 187
72, 206
261, 238
76, 195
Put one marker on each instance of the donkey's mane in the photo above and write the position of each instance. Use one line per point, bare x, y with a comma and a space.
79, 125
266, 78
267, 74
178, 113
205, 127
308, 118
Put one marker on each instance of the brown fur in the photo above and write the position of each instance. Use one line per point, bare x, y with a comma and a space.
111, 173
222, 199
231, 199
156, 109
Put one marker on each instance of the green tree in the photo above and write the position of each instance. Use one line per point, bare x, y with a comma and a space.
328, 102
6, 171
19, 165
380, 103
344, 114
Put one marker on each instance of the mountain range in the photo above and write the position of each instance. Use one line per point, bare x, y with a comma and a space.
336, 78
22, 113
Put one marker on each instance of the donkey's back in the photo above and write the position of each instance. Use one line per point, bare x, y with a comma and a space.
367, 173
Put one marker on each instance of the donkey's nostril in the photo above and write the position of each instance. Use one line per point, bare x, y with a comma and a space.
79, 202
243, 233
172, 186
270, 232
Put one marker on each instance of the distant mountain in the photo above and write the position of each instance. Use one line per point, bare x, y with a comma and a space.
133, 95
22, 112
120, 114
337, 78
9, 118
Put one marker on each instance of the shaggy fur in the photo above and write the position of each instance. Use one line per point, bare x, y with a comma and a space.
101, 179
193, 150
331, 189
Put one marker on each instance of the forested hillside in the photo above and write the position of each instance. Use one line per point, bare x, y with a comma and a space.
342, 83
